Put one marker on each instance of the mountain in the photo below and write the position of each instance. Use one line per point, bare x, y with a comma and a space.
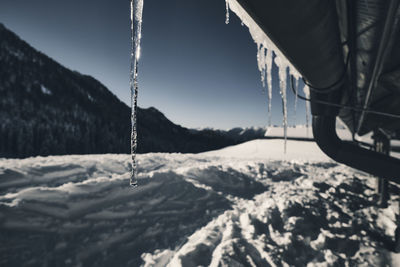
158, 134
47, 109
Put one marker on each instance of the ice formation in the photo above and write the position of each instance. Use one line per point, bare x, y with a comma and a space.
268, 62
136, 35
261, 51
227, 12
265, 47
282, 73
296, 98
306, 90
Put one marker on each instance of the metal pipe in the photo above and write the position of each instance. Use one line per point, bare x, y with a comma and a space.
306, 32
378, 164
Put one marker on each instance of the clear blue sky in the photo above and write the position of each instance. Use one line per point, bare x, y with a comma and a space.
194, 68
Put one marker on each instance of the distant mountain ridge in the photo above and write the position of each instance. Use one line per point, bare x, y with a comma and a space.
47, 109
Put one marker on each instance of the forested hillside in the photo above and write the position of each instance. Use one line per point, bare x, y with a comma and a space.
47, 109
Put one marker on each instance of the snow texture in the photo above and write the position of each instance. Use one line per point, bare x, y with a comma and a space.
136, 36
239, 206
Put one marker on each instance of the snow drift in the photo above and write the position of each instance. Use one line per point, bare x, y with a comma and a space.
216, 208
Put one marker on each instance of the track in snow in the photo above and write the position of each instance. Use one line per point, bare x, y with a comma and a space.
190, 210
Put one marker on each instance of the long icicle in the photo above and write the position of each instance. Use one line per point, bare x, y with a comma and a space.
136, 35
306, 91
282, 73
268, 62
296, 100
284, 105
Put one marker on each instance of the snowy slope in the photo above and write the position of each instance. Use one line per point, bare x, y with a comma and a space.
233, 207
272, 150
302, 132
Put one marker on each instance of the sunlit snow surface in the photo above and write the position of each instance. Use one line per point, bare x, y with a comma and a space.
239, 206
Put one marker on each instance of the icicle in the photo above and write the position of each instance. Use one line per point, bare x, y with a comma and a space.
268, 62
261, 62
307, 95
136, 35
283, 84
264, 67
265, 61
258, 35
296, 99
227, 12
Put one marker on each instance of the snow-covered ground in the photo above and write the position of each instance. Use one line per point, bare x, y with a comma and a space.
246, 205
302, 132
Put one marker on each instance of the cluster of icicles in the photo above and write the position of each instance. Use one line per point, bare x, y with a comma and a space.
267, 53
